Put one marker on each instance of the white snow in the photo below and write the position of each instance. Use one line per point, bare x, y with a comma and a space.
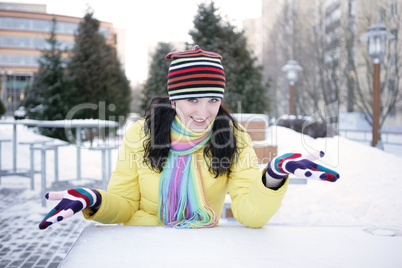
367, 194
233, 246
367, 197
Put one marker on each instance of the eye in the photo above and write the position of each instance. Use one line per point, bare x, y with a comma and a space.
213, 100
193, 100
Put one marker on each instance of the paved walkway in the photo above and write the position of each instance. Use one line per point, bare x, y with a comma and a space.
22, 244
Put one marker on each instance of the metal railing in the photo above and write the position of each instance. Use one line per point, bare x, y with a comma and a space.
391, 141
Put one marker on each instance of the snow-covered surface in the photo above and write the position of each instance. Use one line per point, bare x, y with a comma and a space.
362, 208
367, 194
63, 123
233, 246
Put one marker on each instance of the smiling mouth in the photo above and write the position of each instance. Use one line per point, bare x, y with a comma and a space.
199, 120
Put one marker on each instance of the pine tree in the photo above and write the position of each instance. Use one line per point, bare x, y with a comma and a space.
156, 84
97, 74
243, 77
50, 97
117, 87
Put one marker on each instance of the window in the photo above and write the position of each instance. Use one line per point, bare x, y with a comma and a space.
395, 34
336, 15
393, 11
66, 27
328, 37
352, 8
391, 87
392, 61
19, 60
381, 15
36, 25
30, 42
15, 85
104, 32
392, 92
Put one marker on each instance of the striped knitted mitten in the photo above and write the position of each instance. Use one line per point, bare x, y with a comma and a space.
72, 202
300, 165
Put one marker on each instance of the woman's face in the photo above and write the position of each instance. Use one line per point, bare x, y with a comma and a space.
197, 113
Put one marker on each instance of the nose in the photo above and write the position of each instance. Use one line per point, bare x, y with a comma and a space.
202, 109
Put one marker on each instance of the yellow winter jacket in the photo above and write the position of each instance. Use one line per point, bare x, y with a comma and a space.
133, 191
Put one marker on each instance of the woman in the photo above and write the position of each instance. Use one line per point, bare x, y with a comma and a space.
176, 165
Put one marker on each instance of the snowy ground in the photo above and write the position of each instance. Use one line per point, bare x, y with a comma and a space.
367, 196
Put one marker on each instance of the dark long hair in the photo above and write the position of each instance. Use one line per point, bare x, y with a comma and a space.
220, 152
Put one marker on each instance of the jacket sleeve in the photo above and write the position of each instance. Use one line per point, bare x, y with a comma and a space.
253, 204
122, 198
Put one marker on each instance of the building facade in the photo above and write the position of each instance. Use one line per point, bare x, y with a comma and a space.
23, 31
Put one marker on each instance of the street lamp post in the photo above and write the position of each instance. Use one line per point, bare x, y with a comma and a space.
376, 38
292, 68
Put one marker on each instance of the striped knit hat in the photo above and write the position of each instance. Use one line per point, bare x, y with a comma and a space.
195, 74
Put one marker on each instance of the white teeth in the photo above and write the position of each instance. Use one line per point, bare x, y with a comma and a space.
198, 120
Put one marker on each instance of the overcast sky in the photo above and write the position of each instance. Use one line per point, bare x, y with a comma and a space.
147, 22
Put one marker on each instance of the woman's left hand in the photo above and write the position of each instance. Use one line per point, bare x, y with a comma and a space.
301, 166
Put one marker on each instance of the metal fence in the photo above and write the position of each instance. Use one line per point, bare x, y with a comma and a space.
391, 141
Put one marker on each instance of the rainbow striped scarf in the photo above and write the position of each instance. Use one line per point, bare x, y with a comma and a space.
182, 200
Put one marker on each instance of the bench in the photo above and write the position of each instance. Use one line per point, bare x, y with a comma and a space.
265, 148
256, 126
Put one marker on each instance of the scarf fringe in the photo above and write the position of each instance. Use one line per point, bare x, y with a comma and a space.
202, 218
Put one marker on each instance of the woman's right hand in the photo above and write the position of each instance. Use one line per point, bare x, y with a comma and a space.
71, 202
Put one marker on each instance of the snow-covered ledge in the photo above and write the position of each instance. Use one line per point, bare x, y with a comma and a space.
233, 245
